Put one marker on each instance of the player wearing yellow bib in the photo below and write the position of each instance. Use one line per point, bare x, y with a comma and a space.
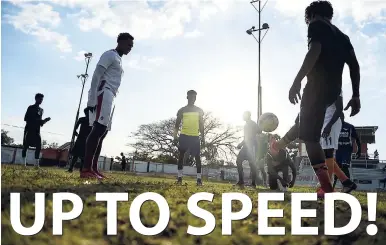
191, 117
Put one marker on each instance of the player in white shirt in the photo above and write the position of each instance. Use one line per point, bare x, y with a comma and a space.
104, 87
330, 141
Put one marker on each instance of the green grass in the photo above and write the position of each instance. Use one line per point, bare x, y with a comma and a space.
90, 227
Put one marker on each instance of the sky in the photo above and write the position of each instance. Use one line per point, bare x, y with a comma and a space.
179, 45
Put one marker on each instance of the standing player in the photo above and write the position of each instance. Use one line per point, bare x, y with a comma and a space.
192, 120
79, 147
123, 162
104, 87
329, 50
330, 141
248, 149
347, 139
33, 119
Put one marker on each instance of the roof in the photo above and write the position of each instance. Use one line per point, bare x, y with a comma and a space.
373, 128
65, 146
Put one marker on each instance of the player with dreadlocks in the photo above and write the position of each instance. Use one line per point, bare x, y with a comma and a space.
329, 50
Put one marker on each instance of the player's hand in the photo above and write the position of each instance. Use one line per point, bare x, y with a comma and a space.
202, 141
76, 133
294, 93
284, 183
47, 119
326, 131
355, 104
239, 146
291, 184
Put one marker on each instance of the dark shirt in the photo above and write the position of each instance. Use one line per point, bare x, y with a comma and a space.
326, 75
33, 118
250, 133
123, 160
345, 139
85, 128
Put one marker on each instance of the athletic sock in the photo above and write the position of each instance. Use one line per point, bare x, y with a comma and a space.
37, 163
339, 173
180, 173
324, 179
331, 167
25, 161
198, 175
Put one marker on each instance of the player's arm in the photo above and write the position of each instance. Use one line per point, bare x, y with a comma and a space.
104, 62
291, 165
28, 117
355, 139
201, 126
315, 36
178, 123
338, 111
354, 68
77, 126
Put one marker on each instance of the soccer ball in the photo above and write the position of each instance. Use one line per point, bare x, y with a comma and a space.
268, 122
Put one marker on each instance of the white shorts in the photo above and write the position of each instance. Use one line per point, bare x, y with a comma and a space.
104, 109
331, 142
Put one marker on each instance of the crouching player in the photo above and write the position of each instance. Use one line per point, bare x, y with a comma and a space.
280, 163
330, 142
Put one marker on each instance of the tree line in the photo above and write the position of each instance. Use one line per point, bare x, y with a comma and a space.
154, 142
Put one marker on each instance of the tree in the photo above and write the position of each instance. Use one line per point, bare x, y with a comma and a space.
155, 141
5, 139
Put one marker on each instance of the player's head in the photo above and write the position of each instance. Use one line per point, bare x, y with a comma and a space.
125, 42
121, 153
247, 116
39, 98
191, 96
321, 9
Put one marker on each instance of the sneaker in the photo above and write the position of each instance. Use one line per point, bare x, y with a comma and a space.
253, 185
89, 174
348, 186
179, 181
99, 174
199, 182
69, 170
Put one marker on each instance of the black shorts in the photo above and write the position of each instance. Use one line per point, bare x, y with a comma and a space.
190, 143
311, 117
32, 139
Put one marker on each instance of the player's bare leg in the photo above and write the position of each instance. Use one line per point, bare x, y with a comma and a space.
97, 154
198, 165
180, 167
92, 142
72, 164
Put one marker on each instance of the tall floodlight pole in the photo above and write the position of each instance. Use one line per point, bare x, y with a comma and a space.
83, 78
250, 31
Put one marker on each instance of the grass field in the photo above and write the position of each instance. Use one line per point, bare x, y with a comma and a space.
82, 231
